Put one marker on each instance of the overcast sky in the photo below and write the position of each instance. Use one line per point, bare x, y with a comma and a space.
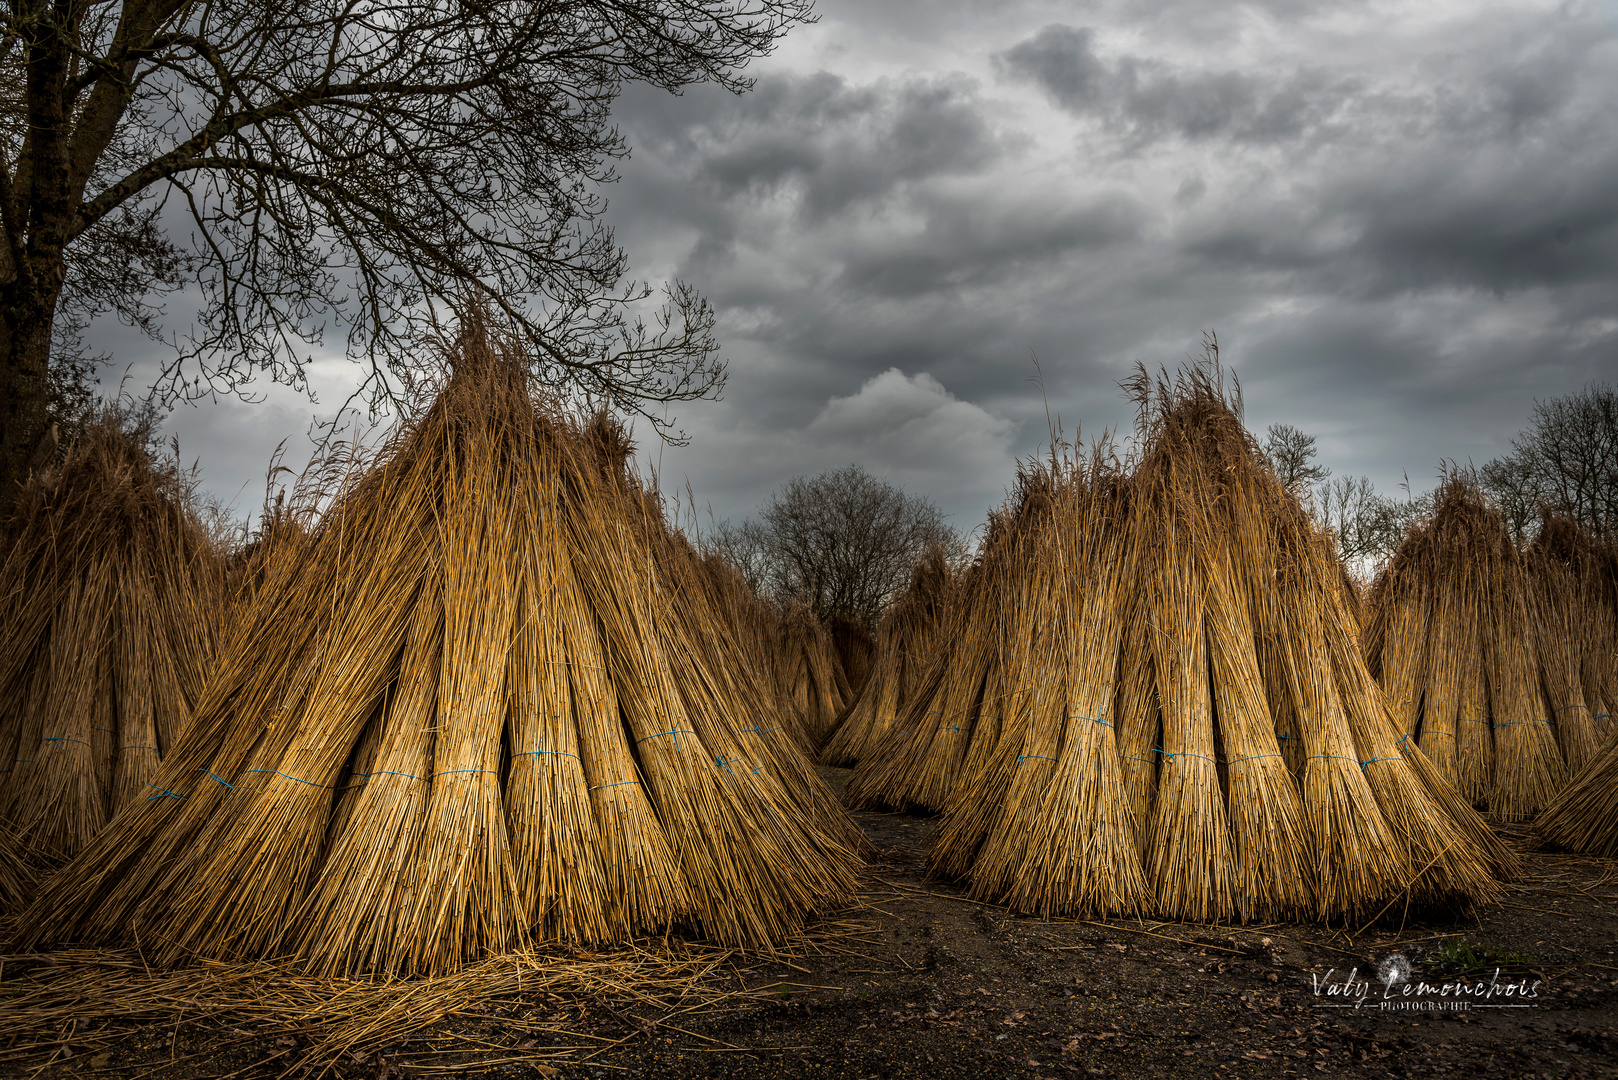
1399, 218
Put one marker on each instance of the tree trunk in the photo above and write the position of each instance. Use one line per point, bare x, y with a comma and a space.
25, 346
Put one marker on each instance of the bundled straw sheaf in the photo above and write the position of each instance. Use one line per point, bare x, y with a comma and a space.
1154, 702
1505, 694
905, 639
1584, 817
809, 673
486, 702
110, 597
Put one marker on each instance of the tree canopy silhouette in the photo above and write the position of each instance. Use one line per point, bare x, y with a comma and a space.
356, 168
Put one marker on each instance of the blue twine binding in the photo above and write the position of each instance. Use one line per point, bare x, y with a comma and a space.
1181, 753
162, 793
1250, 757
217, 777
278, 772
620, 783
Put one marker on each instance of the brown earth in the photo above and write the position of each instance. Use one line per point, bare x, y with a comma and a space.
919, 981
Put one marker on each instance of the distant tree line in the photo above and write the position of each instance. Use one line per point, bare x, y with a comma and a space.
843, 542
1565, 460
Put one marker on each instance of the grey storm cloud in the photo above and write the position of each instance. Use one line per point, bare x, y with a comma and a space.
844, 144
1149, 100
968, 243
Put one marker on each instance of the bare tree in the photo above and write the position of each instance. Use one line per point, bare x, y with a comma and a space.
1368, 526
368, 167
1290, 453
743, 546
843, 541
1566, 459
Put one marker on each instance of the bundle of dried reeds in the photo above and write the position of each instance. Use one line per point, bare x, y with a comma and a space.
1584, 817
16, 875
484, 703
1568, 618
809, 673
110, 597
856, 649
1138, 638
904, 640
1501, 630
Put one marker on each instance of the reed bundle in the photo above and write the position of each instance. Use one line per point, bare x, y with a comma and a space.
1584, 817
110, 598
809, 673
1572, 622
482, 705
1501, 629
856, 649
904, 641
1155, 637
16, 875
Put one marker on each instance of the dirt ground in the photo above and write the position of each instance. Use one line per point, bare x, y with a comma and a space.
918, 981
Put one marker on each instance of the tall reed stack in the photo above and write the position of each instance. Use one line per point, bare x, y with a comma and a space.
903, 655
486, 703
809, 672
1127, 679
110, 597
1505, 694
1584, 817
1573, 577
856, 648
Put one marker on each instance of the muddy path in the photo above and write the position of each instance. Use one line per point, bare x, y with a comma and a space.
919, 981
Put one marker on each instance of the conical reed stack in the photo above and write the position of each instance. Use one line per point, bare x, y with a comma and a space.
1584, 817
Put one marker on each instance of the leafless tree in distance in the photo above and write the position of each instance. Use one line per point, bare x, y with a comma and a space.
843, 541
1566, 459
1291, 454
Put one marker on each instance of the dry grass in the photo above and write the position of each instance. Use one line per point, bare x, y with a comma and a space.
100, 1000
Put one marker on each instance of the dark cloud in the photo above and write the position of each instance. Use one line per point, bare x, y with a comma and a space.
1146, 100
835, 144
966, 242
1061, 60
1401, 220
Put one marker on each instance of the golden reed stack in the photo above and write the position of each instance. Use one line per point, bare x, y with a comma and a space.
904, 643
485, 703
110, 597
1155, 702
1497, 662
